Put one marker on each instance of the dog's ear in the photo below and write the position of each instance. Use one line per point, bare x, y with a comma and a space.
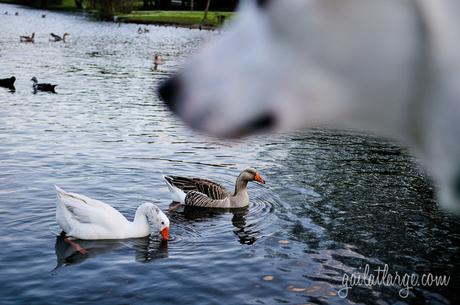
262, 3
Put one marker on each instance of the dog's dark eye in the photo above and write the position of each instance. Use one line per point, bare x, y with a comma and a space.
262, 3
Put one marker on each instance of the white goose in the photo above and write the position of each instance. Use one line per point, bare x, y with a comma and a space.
85, 218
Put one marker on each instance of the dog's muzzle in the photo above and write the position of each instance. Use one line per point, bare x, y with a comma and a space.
169, 92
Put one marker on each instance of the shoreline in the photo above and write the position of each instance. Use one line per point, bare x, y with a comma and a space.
178, 19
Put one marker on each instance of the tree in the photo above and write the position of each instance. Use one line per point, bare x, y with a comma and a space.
108, 8
79, 4
205, 16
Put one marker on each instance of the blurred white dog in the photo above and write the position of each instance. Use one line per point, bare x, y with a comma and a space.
385, 66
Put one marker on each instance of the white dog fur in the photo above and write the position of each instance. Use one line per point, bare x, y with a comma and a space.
390, 67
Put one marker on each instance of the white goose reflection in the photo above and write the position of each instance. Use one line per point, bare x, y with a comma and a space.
146, 249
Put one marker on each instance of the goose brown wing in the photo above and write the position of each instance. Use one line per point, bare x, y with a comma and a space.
206, 187
198, 199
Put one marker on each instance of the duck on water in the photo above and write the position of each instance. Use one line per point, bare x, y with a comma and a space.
57, 38
42, 86
8, 83
30, 38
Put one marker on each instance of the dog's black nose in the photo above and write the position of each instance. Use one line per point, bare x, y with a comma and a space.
169, 92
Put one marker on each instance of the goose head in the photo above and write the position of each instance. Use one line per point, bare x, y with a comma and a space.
251, 174
34, 79
157, 219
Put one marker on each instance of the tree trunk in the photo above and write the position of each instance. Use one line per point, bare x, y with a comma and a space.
79, 4
191, 5
205, 17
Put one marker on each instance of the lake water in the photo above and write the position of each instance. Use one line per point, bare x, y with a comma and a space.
333, 202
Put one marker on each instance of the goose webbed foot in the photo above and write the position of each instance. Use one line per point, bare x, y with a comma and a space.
76, 246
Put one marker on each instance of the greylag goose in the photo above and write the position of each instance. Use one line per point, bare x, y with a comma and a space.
57, 38
30, 38
86, 218
42, 86
8, 82
205, 193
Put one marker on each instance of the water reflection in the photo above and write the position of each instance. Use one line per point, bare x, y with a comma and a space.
247, 233
146, 249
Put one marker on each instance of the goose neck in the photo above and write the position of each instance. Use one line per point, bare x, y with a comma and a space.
240, 185
140, 224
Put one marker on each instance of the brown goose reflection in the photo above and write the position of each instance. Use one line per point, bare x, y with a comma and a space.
146, 249
246, 233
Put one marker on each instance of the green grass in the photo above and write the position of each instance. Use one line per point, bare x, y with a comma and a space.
173, 17
66, 5
181, 18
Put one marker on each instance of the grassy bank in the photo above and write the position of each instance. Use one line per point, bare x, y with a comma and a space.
178, 18
181, 18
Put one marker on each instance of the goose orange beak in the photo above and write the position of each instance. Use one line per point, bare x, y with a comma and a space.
165, 233
259, 178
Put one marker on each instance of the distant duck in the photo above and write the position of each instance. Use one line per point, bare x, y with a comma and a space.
27, 38
141, 30
157, 60
16, 14
42, 86
56, 38
6, 13
43, 15
8, 82
204, 193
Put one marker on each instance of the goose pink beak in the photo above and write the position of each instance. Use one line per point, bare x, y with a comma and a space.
165, 233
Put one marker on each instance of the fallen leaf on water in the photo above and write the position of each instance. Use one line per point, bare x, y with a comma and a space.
268, 278
313, 288
283, 242
296, 289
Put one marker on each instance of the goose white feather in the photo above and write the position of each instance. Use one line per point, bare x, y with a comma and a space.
86, 218
177, 194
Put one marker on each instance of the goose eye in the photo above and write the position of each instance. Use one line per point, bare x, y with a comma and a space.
162, 222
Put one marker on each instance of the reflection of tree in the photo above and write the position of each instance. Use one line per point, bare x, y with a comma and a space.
146, 249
